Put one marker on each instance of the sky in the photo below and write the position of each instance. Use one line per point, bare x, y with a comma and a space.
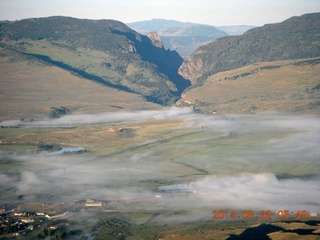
213, 12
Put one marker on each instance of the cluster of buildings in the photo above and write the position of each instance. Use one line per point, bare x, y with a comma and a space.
19, 221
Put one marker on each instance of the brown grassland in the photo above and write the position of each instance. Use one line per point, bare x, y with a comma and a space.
40, 87
282, 86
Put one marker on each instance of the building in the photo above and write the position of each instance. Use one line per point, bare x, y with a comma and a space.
93, 204
56, 215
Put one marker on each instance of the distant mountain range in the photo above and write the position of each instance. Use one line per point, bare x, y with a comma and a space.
235, 30
185, 37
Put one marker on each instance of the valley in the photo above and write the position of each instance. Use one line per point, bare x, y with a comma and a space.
151, 168
106, 134
182, 37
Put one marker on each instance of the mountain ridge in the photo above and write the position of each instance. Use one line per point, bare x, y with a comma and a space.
235, 29
183, 37
110, 54
130, 59
158, 24
293, 38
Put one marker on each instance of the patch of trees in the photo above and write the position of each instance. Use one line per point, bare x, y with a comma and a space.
113, 229
48, 147
55, 234
58, 112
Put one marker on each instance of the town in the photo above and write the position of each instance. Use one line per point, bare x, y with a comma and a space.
42, 219
55, 220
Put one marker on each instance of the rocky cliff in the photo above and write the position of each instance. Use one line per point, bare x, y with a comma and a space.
155, 39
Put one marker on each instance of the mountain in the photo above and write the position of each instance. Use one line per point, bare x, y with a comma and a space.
155, 25
271, 68
32, 89
288, 86
179, 36
186, 40
235, 30
104, 51
297, 37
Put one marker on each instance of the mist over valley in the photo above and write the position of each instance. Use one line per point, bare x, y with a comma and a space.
183, 166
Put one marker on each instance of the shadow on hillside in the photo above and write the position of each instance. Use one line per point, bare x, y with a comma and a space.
171, 72
78, 72
168, 61
261, 232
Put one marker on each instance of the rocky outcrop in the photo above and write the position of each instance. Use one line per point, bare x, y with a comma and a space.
155, 39
191, 70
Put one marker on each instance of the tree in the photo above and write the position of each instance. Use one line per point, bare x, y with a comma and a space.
9, 229
45, 232
58, 235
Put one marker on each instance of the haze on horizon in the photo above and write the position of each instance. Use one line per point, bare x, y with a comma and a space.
213, 12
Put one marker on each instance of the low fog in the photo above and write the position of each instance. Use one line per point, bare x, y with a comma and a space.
253, 191
258, 162
113, 117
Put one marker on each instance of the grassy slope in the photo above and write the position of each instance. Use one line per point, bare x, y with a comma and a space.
102, 48
28, 89
92, 62
295, 38
282, 86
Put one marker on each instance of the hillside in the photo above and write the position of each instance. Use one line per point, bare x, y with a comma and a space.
291, 86
31, 89
297, 37
179, 36
103, 51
